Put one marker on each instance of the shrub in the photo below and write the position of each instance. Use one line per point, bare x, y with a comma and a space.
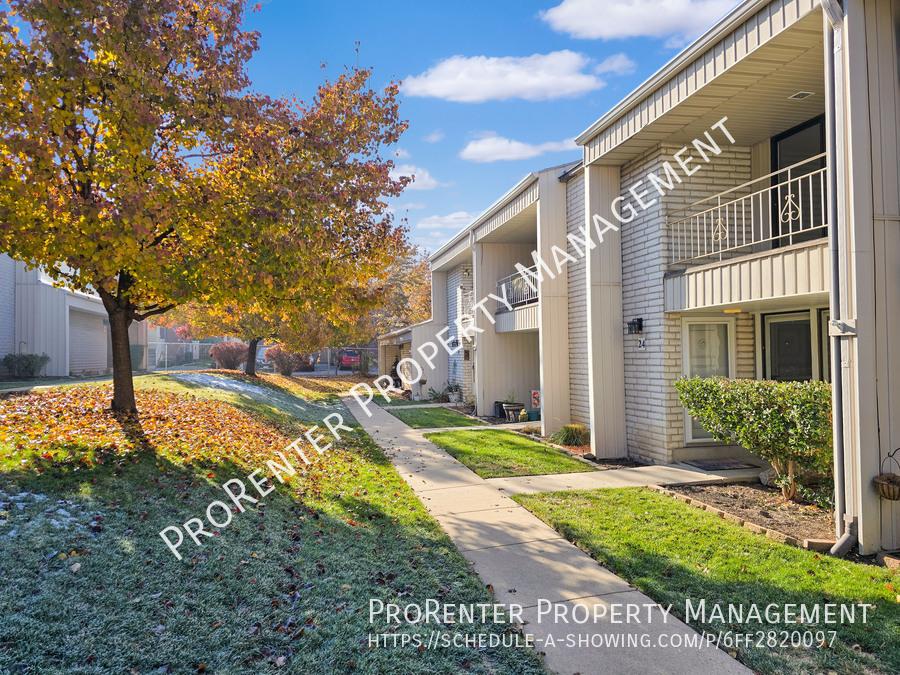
229, 355
441, 396
24, 366
531, 429
786, 423
137, 356
572, 434
285, 362
305, 364
364, 365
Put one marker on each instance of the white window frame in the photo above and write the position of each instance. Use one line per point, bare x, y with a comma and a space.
686, 322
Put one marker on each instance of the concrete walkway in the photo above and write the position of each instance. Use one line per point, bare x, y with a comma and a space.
665, 474
528, 563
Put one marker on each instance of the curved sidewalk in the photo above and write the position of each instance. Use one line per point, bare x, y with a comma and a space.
528, 563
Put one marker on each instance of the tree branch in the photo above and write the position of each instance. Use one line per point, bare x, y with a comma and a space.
138, 316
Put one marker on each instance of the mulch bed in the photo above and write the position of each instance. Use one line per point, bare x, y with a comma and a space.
763, 506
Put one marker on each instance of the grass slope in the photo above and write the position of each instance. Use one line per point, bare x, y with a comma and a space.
499, 454
434, 418
88, 586
672, 551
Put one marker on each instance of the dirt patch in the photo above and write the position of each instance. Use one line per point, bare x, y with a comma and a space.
763, 506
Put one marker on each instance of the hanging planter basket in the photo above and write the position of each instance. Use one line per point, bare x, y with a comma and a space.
888, 484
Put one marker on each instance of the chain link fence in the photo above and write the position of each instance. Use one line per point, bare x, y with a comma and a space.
164, 356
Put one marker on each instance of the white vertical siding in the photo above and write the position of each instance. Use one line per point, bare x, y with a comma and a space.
604, 311
88, 339
882, 22
7, 305
505, 361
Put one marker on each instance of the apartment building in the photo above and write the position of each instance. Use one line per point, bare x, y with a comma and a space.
749, 196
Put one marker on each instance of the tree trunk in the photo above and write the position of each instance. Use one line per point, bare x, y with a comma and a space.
250, 368
123, 384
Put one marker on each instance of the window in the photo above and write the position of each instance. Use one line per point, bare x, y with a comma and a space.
795, 346
789, 347
708, 350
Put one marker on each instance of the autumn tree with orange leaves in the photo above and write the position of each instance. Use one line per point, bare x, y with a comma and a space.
135, 164
252, 322
406, 299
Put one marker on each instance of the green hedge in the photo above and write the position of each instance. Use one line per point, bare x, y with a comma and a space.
25, 366
786, 423
137, 356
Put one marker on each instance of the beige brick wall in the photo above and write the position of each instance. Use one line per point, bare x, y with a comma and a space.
654, 417
577, 298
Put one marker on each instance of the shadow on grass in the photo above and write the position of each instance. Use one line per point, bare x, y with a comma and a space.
288, 581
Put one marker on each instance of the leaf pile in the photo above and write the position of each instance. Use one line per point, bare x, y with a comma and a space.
76, 424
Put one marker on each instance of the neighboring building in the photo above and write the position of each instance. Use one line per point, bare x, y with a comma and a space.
70, 327
725, 268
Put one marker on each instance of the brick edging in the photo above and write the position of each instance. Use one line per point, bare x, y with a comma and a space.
820, 545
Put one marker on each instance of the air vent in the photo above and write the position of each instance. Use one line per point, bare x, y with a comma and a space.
800, 95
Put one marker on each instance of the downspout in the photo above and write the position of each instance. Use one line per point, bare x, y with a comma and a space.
834, 87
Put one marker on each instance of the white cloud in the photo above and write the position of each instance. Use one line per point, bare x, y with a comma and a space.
680, 20
422, 181
494, 148
454, 221
410, 206
617, 64
402, 153
434, 136
474, 79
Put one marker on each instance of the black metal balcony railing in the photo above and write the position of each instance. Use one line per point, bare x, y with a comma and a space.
517, 290
785, 207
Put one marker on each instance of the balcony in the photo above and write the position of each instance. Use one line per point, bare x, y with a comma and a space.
760, 241
516, 290
782, 208
523, 317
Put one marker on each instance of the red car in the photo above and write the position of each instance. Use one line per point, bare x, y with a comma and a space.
349, 358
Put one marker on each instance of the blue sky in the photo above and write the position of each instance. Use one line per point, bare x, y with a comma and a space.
492, 91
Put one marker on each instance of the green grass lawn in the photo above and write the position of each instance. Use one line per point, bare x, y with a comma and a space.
434, 418
87, 585
673, 552
48, 382
498, 454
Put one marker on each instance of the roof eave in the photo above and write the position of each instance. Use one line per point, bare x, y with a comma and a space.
735, 17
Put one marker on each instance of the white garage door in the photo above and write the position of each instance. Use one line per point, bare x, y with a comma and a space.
87, 342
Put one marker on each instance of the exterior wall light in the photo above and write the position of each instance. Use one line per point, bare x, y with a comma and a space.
635, 326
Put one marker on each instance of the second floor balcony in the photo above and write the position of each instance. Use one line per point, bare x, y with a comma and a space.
762, 241
522, 297
516, 289
780, 209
